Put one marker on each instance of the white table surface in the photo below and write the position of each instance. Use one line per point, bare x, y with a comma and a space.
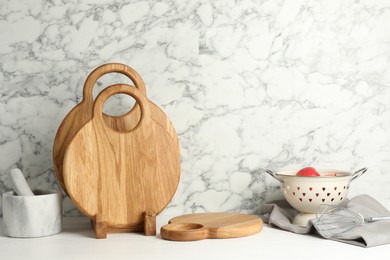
77, 242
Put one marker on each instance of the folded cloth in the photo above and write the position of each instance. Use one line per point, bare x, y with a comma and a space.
281, 214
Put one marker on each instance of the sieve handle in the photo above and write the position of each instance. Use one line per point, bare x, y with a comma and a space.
273, 174
358, 173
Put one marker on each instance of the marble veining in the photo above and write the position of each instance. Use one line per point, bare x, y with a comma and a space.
32, 216
248, 85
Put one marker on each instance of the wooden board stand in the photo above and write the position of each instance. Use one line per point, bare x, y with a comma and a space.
148, 226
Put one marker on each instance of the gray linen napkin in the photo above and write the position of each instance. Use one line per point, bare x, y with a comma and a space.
281, 214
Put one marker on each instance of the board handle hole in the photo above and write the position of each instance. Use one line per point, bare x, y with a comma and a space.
185, 226
118, 105
117, 113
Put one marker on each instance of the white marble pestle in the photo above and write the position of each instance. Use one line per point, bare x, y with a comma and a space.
19, 183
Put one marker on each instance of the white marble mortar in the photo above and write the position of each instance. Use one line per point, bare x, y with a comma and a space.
32, 216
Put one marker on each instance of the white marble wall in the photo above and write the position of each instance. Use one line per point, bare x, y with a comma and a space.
248, 85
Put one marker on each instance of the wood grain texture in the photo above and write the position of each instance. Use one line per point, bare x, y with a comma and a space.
150, 224
117, 176
82, 113
211, 225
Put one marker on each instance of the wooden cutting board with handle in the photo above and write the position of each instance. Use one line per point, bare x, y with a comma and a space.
82, 113
122, 179
199, 226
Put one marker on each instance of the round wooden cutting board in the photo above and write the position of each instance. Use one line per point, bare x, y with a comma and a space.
117, 176
211, 225
82, 113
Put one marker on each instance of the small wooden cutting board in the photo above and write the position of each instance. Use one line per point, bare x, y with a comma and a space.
199, 226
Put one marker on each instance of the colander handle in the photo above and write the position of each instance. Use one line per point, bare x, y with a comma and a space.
273, 174
358, 173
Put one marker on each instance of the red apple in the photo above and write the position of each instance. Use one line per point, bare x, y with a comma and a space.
308, 171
